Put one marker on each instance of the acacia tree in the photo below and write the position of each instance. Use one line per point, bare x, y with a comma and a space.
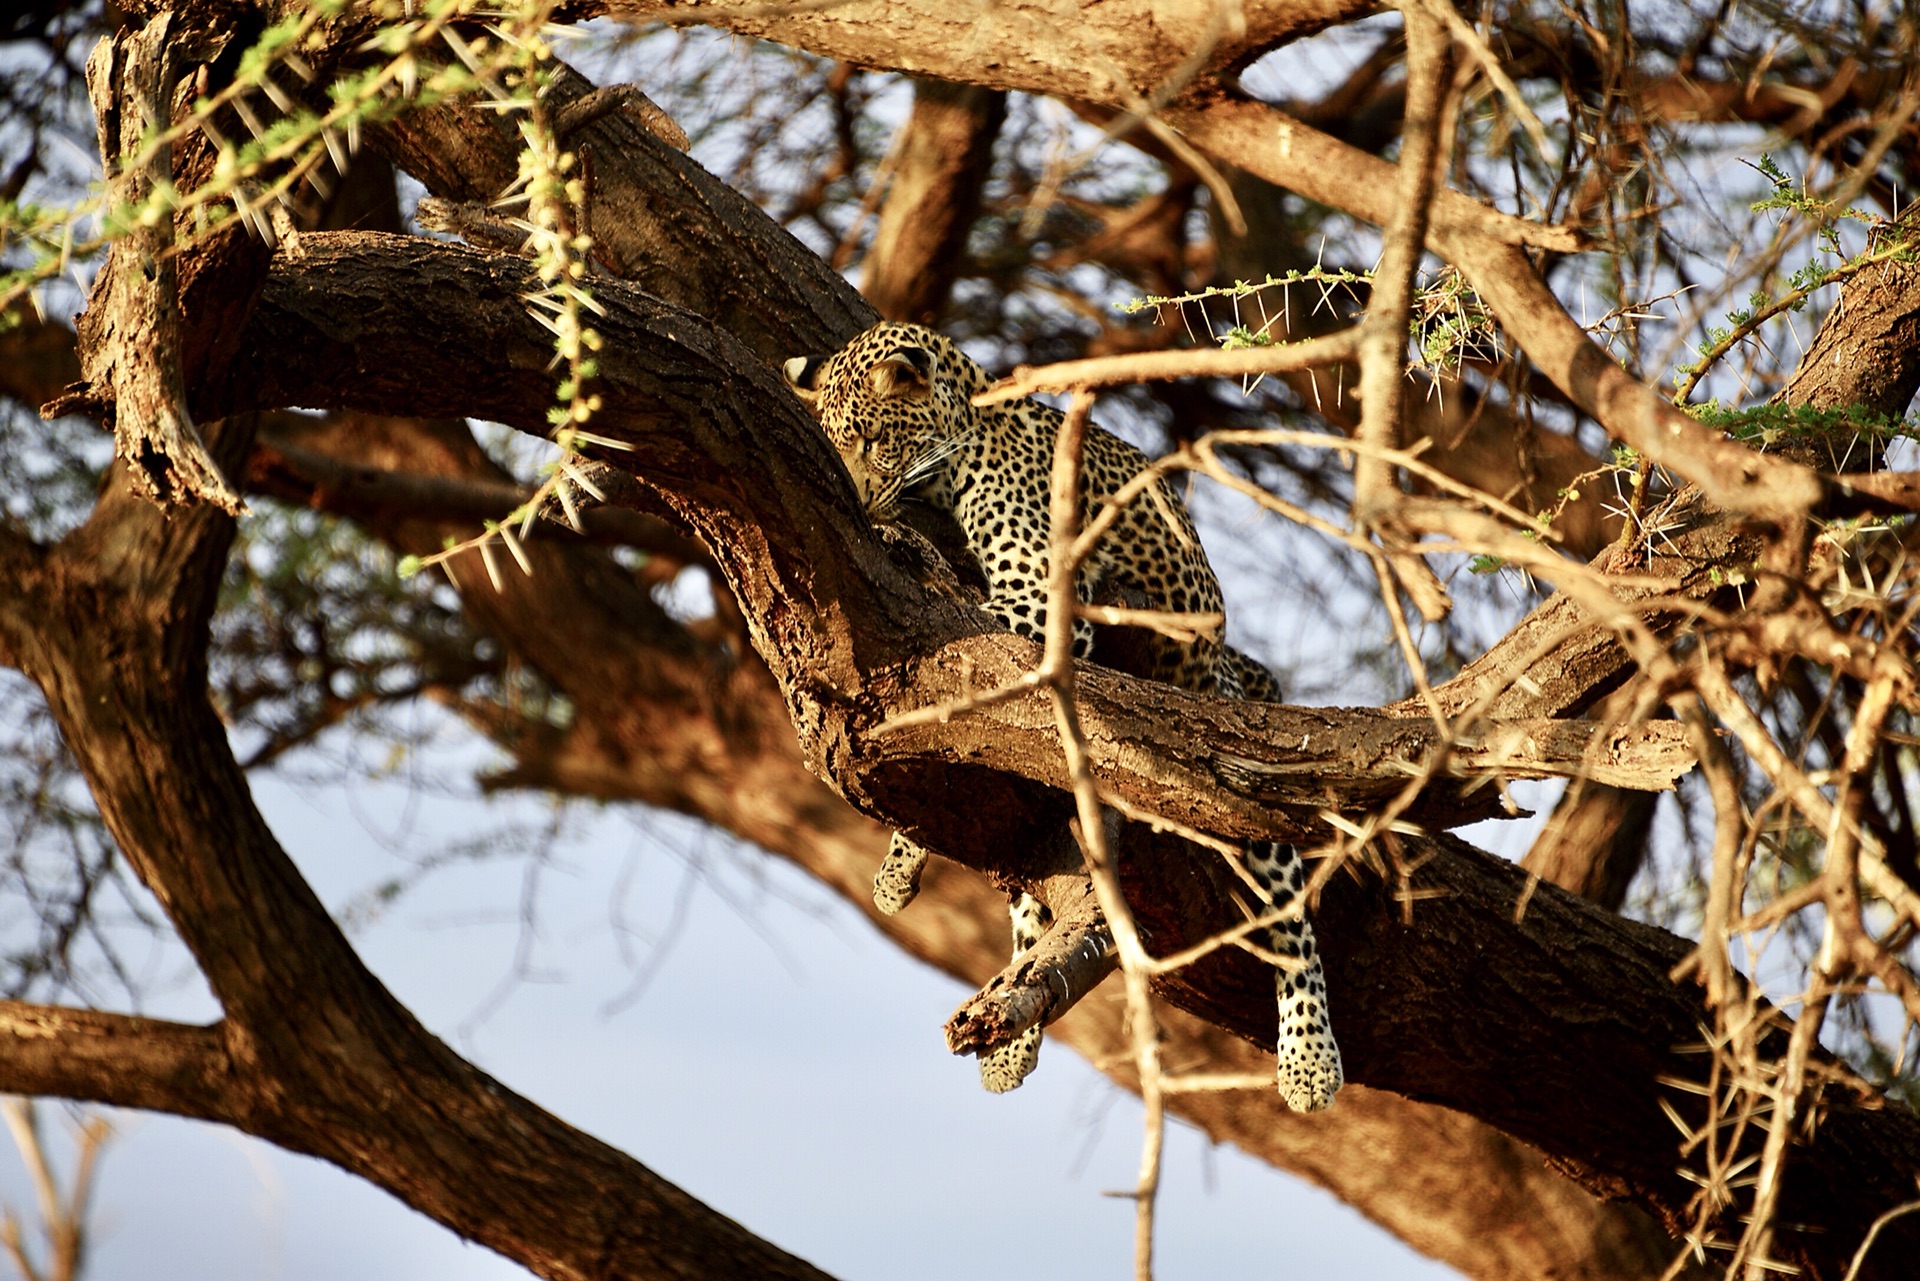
1618, 1096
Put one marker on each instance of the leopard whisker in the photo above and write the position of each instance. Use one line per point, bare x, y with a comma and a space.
927, 464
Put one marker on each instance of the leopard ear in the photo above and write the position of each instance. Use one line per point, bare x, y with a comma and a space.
801, 372
903, 374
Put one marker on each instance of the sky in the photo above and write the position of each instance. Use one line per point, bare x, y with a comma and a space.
765, 1068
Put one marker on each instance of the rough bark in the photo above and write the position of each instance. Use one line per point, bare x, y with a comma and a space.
1103, 53
198, 1072
672, 722
657, 220
313, 1053
1867, 351
793, 632
135, 312
660, 221
1193, 759
1571, 995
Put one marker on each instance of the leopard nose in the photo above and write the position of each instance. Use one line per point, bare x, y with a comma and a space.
862, 486
876, 498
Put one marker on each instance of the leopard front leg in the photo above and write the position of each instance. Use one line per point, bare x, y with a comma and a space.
1022, 605
1004, 1068
897, 882
1309, 1071
1023, 608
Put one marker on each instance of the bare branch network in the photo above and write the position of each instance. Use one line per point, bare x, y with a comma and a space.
1743, 619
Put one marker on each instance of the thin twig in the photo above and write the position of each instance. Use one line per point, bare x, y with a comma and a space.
1149, 366
1476, 47
1057, 674
1860, 1255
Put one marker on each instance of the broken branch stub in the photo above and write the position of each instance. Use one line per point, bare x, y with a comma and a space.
135, 352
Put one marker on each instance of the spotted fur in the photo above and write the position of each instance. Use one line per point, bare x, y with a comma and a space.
897, 404
1004, 1068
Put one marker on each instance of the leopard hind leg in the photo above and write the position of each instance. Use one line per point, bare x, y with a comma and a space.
1005, 1067
1309, 1071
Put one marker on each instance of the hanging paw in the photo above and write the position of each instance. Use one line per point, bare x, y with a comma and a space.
1309, 1072
897, 882
1003, 1069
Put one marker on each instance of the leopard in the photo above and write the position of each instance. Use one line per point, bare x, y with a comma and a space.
897, 403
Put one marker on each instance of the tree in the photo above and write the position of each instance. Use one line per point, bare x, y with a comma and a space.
1742, 606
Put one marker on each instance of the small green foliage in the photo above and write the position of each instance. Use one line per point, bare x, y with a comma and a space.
289, 142
1449, 323
1239, 289
1239, 338
1808, 278
1885, 243
272, 46
1763, 426
1786, 195
1485, 564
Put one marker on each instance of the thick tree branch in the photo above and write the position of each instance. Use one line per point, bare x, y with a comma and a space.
1107, 53
1076, 954
732, 467
117, 1059
1283, 151
694, 730
137, 350
834, 624
943, 153
1484, 243
112, 624
660, 221
1571, 660
770, 333
1867, 352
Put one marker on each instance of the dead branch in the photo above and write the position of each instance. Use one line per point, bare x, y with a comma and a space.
1072, 960
131, 80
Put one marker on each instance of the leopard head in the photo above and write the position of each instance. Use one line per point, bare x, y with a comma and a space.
895, 402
